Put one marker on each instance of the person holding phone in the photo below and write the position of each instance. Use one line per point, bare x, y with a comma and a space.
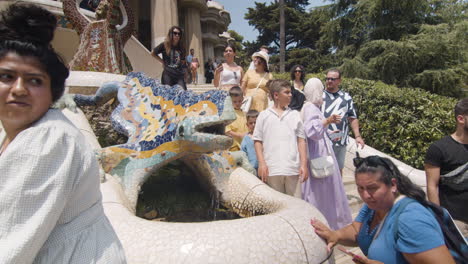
385, 232
326, 194
338, 102
228, 74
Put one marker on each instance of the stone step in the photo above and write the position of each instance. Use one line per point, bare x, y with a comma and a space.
355, 203
200, 88
354, 199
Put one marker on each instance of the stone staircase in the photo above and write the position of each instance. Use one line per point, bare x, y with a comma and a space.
355, 203
200, 88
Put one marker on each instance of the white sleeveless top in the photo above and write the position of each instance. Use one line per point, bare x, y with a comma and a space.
230, 77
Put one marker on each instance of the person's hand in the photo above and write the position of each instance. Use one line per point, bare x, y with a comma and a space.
303, 173
334, 119
263, 171
334, 139
219, 69
360, 141
324, 232
364, 260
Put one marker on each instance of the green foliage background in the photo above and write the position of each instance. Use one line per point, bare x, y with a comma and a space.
410, 43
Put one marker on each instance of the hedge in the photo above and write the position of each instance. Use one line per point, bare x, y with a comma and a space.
401, 122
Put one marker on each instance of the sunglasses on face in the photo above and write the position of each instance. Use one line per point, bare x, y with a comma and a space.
331, 79
298, 71
176, 33
371, 161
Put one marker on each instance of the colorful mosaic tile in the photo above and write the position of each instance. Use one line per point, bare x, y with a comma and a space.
163, 123
101, 42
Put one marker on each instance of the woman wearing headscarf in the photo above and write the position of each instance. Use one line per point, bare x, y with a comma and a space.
326, 194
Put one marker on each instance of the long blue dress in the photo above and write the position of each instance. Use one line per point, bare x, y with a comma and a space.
326, 194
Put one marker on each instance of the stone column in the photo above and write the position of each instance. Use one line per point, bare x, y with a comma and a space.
163, 16
135, 6
208, 49
193, 34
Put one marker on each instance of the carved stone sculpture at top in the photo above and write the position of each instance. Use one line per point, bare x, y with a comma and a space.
101, 41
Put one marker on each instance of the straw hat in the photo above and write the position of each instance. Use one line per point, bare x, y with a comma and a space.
262, 55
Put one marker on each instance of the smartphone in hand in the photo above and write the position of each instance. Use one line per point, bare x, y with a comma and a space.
356, 258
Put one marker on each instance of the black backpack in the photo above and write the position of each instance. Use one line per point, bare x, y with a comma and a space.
454, 240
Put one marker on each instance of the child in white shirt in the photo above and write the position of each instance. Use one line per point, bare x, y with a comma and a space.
280, 143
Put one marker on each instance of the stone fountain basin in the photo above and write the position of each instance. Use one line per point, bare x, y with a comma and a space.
282, 234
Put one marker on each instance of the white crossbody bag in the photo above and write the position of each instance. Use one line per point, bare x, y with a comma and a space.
323, 167
247, 102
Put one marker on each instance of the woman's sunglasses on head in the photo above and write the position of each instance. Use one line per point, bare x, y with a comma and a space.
371, 161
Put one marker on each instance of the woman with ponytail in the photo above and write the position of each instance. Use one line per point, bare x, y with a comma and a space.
393, 226
50, 203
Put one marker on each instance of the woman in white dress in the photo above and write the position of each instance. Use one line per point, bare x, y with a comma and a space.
50, 203
228, 74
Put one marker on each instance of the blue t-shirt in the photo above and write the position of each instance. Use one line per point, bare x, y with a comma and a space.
418, 231
247, 146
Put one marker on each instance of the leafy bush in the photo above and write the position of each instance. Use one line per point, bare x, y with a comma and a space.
401, 122
287, 76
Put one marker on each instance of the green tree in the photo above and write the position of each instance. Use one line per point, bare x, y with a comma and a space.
265, 18
242, 57
356, 22
435, 59
447, 11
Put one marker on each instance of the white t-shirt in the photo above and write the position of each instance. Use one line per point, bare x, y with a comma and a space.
279, 136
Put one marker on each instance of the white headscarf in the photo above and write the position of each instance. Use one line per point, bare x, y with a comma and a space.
313, 91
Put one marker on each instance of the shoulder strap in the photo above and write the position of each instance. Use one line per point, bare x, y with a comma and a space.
400, 209
261, 80
458, 171
329, 151
454, 240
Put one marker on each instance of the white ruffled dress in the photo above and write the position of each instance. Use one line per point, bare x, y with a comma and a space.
50, 203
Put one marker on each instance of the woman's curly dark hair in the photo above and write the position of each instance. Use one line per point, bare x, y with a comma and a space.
27, 30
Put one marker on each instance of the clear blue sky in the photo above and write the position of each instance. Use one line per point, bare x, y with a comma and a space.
238, 8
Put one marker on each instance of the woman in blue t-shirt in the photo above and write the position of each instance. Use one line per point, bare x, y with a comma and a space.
417, 237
